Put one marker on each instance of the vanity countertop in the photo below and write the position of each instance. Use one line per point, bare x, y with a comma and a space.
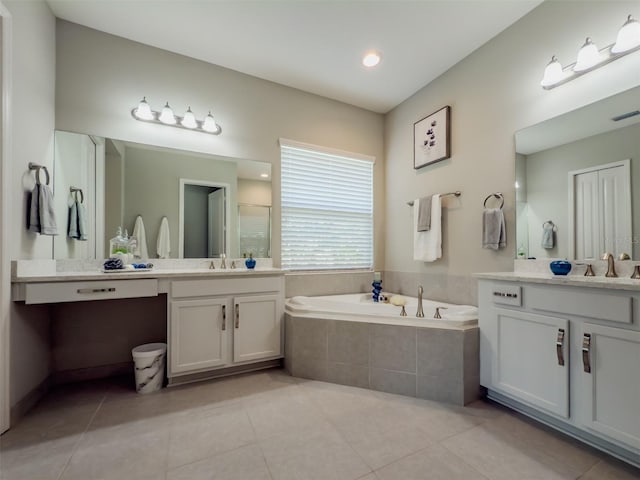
157, 273
618, 283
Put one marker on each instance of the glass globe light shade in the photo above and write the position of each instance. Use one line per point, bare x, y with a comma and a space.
552, 73
189, 119
628, 36
209, 124
143, 112
588, 56
167, 116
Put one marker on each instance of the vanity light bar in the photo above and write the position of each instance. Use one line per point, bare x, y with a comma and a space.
590, 58
144, 113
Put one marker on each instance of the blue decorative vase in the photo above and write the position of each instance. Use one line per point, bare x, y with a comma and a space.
250, 262
377, 289
560, 267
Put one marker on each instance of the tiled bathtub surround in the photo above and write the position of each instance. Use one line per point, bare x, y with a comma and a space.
431, 363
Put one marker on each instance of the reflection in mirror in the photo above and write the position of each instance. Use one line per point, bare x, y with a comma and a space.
126, 180
576, 175
254, 230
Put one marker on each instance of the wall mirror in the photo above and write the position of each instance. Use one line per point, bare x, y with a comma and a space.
578, 182
213, 204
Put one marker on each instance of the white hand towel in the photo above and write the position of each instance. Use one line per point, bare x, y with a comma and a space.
427, 246
493, 229
140, 250
163, 246
548, 240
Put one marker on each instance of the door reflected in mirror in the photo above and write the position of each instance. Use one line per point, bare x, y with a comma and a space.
126, 180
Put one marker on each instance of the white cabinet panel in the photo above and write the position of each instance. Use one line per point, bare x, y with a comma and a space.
526, 363
198, 335
258, 327
612, 389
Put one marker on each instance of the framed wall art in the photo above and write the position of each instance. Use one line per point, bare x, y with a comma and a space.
432, 138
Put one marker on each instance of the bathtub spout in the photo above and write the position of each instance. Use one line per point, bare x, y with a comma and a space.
420, 312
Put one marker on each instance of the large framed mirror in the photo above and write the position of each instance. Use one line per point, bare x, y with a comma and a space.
578, 182
200, 196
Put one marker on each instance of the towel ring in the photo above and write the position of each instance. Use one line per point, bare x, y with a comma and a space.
37, 168
74, 191
549, 222
497, 195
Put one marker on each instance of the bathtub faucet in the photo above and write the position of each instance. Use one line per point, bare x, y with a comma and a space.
420, 312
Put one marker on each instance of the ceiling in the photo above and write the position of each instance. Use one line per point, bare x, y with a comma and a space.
312, 45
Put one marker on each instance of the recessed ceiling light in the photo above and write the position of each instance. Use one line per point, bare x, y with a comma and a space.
371, 59
264, 175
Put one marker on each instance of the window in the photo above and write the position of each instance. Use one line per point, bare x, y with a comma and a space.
327, 208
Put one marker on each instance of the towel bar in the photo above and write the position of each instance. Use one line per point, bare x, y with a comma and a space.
457, 193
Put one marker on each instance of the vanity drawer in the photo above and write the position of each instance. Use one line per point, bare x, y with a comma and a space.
588, 303
56, 292
225, 286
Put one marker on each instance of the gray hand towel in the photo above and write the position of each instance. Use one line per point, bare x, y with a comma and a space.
547, 235
82, 221
424, 214
493, 229
42, 218
73, 221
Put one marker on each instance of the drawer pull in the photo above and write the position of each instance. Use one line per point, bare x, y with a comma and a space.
224, 317
96, 290
237, 316
505, 294
586, 352
560, 347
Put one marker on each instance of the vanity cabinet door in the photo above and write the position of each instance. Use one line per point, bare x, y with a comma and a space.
611, 389
199, 334
531, 359
257, 327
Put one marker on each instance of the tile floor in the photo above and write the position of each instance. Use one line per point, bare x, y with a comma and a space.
269, 425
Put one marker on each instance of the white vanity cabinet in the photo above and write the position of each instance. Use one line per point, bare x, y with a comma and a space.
215, 323
567, 355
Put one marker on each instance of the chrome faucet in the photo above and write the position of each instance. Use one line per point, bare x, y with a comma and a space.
611, 266
420, 312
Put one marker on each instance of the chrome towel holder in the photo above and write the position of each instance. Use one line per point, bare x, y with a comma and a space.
497, 195
37, 168
75, 190
457, 193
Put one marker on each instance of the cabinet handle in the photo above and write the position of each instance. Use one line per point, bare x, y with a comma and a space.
504, 294
560, 347
96, 290
237, 316
586, 352
224, 317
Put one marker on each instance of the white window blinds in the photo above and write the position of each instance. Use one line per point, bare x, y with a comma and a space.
327, 209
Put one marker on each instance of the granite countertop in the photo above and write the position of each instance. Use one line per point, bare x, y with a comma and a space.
577, 280
154, 273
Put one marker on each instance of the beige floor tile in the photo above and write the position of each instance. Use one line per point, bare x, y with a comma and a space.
245, 463
205, 433
611, 470
497, 455
434, 463
36, 461
369, 476
109, 455
335, 400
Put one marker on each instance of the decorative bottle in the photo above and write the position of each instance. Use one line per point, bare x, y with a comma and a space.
377, 287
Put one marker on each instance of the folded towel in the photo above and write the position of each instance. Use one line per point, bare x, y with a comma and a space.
42, 218
77, 221
163, 246
424, 213
140, 250
493, 229
548, 240
427, 246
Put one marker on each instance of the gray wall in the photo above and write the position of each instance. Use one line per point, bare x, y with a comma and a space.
493, 92
93, 96
547, 184
152, 189
254, 192
114, 164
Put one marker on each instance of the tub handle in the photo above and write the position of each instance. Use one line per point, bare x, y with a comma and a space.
437, 314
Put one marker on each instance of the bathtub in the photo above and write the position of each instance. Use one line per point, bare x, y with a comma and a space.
359, 307
351, 340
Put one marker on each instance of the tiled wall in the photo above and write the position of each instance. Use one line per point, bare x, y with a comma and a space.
443, 287
431, 363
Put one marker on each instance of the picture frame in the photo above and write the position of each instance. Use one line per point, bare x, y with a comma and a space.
432, 138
